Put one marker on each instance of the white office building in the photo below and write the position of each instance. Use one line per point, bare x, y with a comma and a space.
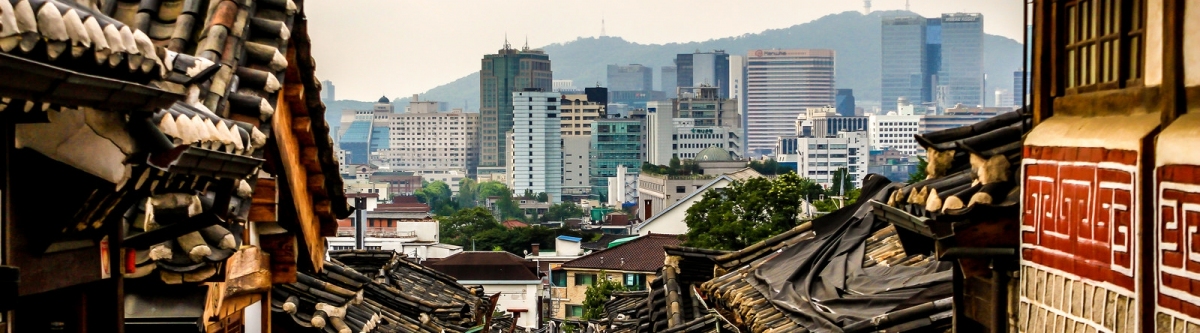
425, 141
577, 176
781, 84
658, 132
819, 158
669, 137
537, 151
895, 131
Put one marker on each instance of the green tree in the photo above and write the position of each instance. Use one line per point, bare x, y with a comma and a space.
598, 294
919, 175
435, 194
674, 164
564, 210
528, 194
465, 225
842, 182
468, 193
543, 197
746, 212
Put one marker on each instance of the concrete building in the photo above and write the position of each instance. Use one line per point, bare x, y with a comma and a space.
656, 192
962, 59
737, 77
399, 182
825, 122
705, 104
508, 71
895, 131
688, 140
773, 97
622, 187
425, 141
1003, 98
669, 77
580, 110
576, 183
412, 233
632, 77
659, 128
564, 86
708, 68
616, 142
365, 132
537, 144
820, 158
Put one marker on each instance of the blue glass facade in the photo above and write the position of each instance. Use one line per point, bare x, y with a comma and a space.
904, 60
962, 59
615, 142
356, 141
844, 102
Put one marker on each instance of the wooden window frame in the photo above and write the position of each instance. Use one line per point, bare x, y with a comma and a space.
1105, 45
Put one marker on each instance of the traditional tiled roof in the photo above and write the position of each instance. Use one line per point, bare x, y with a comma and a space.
481, 266
644, 254
514, 224
408, 298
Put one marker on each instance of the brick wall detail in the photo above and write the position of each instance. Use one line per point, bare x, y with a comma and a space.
1079, 230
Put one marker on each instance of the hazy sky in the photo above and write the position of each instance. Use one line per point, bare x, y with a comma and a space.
398, 48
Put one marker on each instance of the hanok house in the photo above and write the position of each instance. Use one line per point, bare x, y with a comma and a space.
1109, 181
192, 162
516, 280
630, 263
966, 214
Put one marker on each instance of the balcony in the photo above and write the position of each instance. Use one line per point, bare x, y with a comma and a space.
378, 232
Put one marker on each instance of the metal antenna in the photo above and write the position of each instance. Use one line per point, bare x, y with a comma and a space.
602, 33
866, 7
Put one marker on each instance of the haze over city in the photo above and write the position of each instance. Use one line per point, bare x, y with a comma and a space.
399, 48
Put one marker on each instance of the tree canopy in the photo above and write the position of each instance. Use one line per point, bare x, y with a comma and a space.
919, 175
770, 167
747, 212
563, 210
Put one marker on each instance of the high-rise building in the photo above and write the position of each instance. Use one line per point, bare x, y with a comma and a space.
668, 136
537, 151
773, 97
564, 86
327, 91
579, 110
737, 77
707, 107
709, 68
962, 59
669, 77
904, 68
844, 102
659, 128
577, 177
1020, 89
633, 77
615, 142
933, 59
427, 142
509, 70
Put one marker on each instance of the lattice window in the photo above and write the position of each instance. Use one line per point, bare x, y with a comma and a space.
1102, 36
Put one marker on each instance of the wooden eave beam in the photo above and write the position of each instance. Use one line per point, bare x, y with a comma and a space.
296, 173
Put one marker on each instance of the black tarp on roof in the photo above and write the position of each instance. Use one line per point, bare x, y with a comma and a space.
821, 284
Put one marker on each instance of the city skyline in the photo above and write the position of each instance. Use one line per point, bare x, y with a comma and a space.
392, 68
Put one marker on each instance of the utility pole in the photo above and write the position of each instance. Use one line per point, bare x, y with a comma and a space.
360, 229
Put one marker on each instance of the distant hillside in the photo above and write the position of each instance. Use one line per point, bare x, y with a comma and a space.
854, 36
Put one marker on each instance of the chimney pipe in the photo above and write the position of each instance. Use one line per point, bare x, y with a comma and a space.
536, 248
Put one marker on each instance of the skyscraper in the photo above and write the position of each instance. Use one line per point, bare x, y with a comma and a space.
537, 163
773, 97
962, 59
669, 77
1020, 90
904, 60
933, 59
509, 70
631, 77
616, 142
327, 91
703, 68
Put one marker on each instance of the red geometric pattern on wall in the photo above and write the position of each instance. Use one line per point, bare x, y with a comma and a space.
1080, 212
1178, 230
